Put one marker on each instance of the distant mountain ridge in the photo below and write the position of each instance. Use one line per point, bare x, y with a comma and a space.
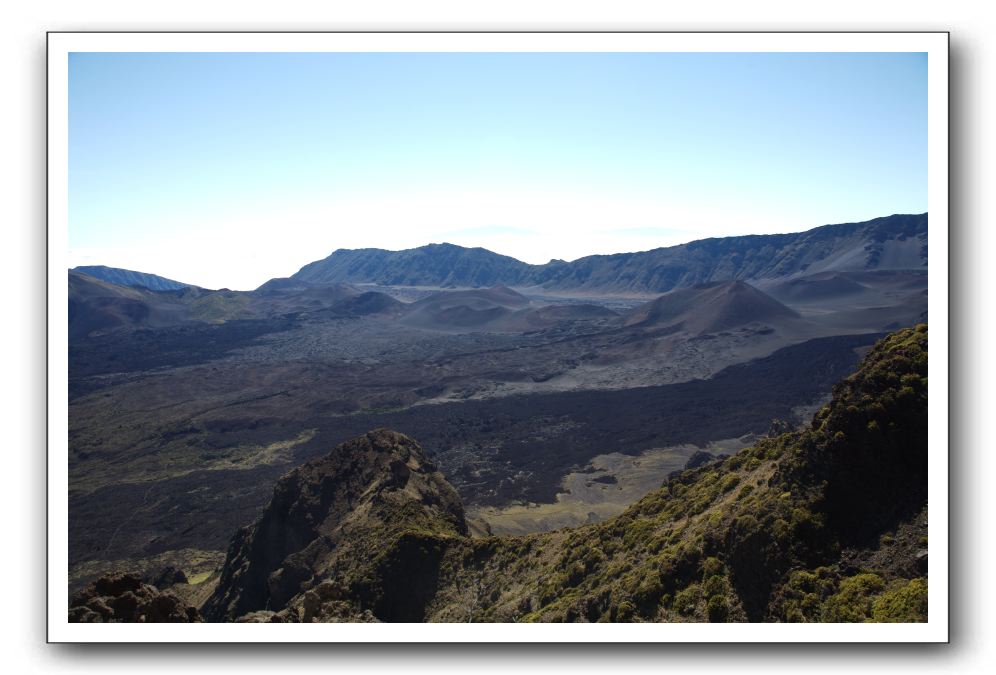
446, 265
97, 306
897, 242
123, 277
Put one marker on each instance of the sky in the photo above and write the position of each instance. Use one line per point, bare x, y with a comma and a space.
228, 169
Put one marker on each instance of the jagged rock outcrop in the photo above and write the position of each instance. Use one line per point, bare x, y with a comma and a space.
699, 458
168, 576
123, 598
361, 529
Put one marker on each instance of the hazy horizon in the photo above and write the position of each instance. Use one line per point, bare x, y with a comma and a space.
226, 170
431, 243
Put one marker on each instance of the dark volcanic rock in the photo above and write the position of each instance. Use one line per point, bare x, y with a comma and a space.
699, 458
168, 576
123, 598
372, 515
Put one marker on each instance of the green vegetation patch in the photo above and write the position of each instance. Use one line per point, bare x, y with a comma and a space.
904, 602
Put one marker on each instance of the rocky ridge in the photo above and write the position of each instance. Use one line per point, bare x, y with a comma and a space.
125, 598
365, 518
897, 242
123, 277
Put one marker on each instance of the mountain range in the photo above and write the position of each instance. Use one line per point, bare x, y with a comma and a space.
122, 277
891, 243
897, 242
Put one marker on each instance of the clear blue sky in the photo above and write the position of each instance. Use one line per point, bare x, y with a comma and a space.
229, 169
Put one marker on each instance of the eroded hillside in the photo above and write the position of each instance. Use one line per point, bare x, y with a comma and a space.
822, 524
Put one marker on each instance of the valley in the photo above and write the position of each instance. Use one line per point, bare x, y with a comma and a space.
543, 406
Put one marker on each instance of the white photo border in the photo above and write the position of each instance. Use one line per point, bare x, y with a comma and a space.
61, 44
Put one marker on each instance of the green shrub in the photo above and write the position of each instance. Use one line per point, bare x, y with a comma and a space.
902, 603
729, 482
638, 533
625, 611
781, 531
853, 600
649, 593
574, 575
718, 609
805, 523
711, 567
714, 585
794, 615
687, 600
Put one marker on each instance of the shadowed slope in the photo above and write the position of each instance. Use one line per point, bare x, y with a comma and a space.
97, 306
709, 308
829, 285
463, 310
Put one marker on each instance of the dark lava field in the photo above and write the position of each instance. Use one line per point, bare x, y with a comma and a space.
186, 405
